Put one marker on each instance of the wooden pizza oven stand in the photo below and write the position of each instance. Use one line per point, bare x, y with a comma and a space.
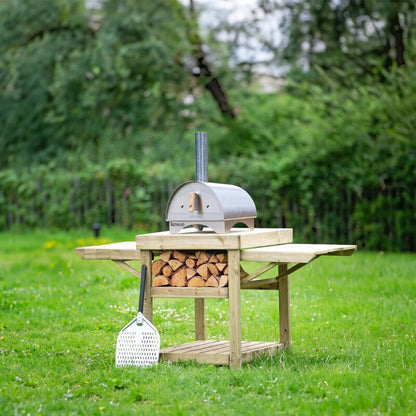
265, 245
272, 246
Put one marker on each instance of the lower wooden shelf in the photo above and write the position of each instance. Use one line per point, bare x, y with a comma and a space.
189, 292
217, 352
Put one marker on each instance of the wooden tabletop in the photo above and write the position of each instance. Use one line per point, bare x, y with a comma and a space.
281, 253
237, 238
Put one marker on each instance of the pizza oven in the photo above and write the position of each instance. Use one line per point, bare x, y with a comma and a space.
200, 203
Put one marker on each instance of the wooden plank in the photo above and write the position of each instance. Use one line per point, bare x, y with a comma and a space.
191, 346
260, 237
199, 348
296, 253
200, 330
203, 352
215, 359
189, 292
284, 307
127, 267
234, 308
270, 283
346, 252
191, 239
217, 352
115, 251
266, 350
187, 239
261, 284
259, 272
247, 346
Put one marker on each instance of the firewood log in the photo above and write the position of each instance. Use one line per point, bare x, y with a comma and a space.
190, 273
167, 270
180, 256
190, 262
178, 278
193, 269
157, 266
213, 259
223, 281
160, 280
203, 271
175, 264
165, 255
212, 281
213, 269
222, 257
196, 282
221, 266
202, 257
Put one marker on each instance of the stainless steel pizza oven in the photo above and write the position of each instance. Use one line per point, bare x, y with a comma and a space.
201, 203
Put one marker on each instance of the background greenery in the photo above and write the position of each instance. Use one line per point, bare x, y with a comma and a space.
353, 334
99, 107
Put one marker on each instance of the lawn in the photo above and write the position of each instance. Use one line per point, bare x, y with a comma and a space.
353, 338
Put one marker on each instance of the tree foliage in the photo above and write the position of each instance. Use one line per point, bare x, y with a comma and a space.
76, 81
37, 41
351, 40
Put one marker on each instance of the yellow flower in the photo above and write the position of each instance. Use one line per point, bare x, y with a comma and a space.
50, 244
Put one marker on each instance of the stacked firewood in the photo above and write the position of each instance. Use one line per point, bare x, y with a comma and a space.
190, 269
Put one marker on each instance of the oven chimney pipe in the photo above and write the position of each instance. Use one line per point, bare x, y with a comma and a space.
201, 156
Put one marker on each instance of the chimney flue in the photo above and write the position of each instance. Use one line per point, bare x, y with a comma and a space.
201, 156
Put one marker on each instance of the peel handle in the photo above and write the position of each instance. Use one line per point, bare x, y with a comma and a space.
142, 286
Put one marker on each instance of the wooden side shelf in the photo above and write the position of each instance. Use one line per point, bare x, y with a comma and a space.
217, 352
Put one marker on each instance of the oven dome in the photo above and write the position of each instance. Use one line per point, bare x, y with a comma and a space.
214, 205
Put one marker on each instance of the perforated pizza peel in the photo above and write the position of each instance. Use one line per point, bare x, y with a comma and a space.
138, 343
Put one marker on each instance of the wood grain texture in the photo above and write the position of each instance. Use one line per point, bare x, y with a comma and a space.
217, 352
284, 308
200, 331
191, 239
234, 308
296, 253
189, 292
116, 251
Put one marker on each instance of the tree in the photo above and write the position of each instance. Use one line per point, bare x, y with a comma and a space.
348, 39
357, 37
203, 68
38, 39
93, 81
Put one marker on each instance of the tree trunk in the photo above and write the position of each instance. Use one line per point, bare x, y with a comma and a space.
212, 84
397, 32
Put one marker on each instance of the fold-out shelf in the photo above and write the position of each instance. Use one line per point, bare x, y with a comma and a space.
217, 352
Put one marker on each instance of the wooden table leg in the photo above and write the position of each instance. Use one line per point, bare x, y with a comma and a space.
234, 307
284, 308
146, 259
200, 319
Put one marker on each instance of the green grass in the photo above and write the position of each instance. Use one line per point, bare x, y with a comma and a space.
353, 338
